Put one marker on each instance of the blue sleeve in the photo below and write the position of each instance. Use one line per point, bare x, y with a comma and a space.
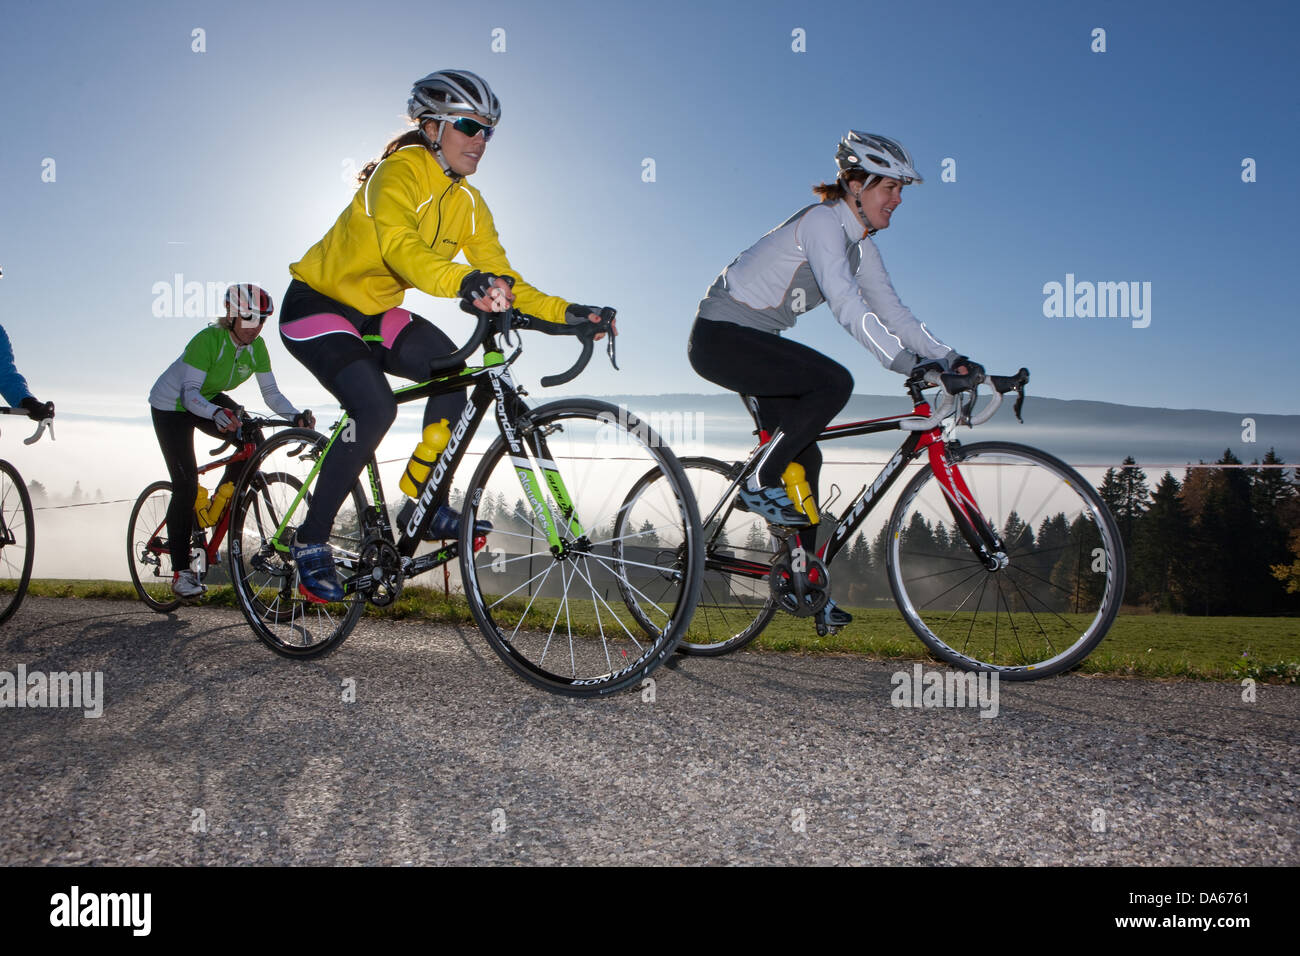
12, 385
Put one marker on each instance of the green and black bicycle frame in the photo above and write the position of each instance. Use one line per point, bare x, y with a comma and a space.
492, 384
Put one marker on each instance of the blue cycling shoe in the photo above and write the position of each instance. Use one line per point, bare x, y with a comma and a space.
773, 505
317, 579
446, 524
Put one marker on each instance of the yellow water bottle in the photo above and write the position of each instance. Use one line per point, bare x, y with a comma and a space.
210, 513
432, 442
800, 492
201, 503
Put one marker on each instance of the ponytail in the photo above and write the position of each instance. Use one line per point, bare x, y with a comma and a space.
413, 137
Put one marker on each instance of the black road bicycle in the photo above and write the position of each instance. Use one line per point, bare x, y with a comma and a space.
17, 530
561, 585
999, 556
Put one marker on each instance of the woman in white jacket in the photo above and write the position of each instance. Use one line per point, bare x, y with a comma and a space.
823, 253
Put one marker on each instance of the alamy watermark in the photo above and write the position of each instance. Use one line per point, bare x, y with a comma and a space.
658, 429
75, 908
83, 690
923, 688
189, 300
1102, 300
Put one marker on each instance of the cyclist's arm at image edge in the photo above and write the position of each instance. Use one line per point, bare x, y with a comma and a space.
12, 384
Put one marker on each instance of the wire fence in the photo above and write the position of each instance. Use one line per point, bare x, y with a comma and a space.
850, 463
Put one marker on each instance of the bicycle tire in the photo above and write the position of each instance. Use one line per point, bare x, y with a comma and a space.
597, 450
734, 607
150, 560
18, 545
264, 578
1059, 590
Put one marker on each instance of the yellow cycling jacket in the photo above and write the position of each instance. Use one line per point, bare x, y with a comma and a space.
401, 231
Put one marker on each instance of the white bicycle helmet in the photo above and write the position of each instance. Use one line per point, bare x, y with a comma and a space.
877, 156
446, 92
441, 96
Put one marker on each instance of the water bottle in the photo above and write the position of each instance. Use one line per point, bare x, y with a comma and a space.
800, 491
432, 442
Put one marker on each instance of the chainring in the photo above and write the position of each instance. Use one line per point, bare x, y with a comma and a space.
380, 562
801, 593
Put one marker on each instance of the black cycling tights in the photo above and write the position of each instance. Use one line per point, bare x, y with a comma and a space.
175, 432
326, 336
784, 384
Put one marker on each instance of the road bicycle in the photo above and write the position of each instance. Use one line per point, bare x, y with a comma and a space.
17, 529
999, 556
148, 549
556, 594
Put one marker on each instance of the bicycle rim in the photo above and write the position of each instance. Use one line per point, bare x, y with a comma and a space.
148, 553
1058, 589
735, 601
265, 579
608, 608
17, 540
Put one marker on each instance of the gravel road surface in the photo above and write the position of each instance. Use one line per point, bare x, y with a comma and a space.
212, 750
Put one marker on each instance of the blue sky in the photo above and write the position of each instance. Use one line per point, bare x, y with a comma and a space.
226, 165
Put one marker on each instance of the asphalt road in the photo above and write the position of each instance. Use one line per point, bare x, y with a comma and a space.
211, 750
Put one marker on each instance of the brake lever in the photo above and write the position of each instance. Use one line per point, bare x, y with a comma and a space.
41, 426
609, 348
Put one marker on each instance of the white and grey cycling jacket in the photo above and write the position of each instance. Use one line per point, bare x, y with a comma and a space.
820, 254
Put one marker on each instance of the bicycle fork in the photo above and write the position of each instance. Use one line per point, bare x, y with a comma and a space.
983, 539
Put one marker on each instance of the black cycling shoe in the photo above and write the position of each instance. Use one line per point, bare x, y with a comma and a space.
445, 524
773, 505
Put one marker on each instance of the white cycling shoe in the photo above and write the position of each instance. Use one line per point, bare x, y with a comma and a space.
186, 584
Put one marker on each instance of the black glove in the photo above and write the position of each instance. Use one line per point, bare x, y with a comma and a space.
577, 314
932, 365
37, 410
305, 420
476, 286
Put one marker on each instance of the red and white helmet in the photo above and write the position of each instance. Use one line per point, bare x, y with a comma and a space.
248, 301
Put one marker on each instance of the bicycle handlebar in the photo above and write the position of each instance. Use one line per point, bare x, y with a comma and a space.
587, 331
953, 384
41, 424
247, 421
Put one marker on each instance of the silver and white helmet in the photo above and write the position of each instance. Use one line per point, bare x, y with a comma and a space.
452, 91
877, 156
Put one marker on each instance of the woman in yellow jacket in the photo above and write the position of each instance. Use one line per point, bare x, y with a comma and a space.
342, 315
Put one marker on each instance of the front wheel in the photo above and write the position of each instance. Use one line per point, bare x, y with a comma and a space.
148, 551
1048, 591
598, 608
272, 500
17, 540
735, 599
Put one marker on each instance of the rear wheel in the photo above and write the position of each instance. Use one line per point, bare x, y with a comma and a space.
735, 598
17, 540
598, 611
271, 502
1049, 592
148, 552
